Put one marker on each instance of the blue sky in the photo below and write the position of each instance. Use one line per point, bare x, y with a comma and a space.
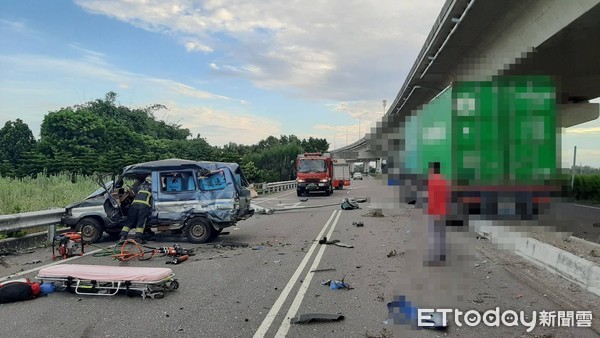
229, 70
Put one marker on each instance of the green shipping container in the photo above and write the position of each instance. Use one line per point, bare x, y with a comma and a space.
411, 151
528, 105
435, 141
487, 133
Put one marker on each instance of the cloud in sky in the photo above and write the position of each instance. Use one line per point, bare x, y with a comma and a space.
329, 50
91, 67
218, 126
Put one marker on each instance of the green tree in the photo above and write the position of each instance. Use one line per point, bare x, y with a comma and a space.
251, 172
315, 145
15, 139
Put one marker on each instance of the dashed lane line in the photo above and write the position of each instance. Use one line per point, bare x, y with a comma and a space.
266, 324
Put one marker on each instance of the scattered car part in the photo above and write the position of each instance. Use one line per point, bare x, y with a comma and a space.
316, 317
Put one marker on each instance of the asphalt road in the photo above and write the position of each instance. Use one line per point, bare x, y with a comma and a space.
252, 280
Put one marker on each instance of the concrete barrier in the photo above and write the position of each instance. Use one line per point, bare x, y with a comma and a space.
29, 241
573, 268
563, 263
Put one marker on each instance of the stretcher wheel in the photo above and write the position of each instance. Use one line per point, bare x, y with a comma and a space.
174, 285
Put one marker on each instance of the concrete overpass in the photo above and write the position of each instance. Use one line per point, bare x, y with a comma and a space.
475, 40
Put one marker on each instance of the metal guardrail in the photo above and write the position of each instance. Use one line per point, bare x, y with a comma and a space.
266, 188
27, 220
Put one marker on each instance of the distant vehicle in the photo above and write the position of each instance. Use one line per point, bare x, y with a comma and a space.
341, 174
314, 172
357, 176
198, 199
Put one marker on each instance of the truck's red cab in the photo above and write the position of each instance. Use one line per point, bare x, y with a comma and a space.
314, 172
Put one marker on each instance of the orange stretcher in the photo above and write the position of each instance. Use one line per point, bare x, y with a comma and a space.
104, 280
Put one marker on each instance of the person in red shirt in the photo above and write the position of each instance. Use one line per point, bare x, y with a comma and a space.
437, 208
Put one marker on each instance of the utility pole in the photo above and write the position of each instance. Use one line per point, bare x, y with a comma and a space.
346, 135
573, 167
384, 103
359, 116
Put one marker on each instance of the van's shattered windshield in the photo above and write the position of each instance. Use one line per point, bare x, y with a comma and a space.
311, 166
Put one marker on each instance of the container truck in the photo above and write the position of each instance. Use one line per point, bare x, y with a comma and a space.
496, 142
314, 172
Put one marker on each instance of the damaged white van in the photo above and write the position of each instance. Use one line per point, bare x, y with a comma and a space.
197, 199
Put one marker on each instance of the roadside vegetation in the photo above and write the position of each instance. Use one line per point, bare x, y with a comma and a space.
586, 188
43, 192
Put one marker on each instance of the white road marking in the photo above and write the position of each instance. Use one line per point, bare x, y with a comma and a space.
266, 324
254, 200
47, 265
292, 205
585, 206
285, 325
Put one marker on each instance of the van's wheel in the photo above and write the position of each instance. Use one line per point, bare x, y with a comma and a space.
90, 229
340, 185
328, 191
198, 230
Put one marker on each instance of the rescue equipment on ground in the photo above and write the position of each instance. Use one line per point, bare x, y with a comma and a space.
130, 249
101, 280
18, 289
178, 259
67, 245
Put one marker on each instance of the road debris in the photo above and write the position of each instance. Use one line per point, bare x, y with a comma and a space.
322, 270
382, 334
337, 284
349, 204
392, 253
316, 317
374, 213
230, 245
358, 224
32, 262
335, 242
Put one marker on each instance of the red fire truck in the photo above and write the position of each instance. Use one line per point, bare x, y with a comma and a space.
314, 172
341, 173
